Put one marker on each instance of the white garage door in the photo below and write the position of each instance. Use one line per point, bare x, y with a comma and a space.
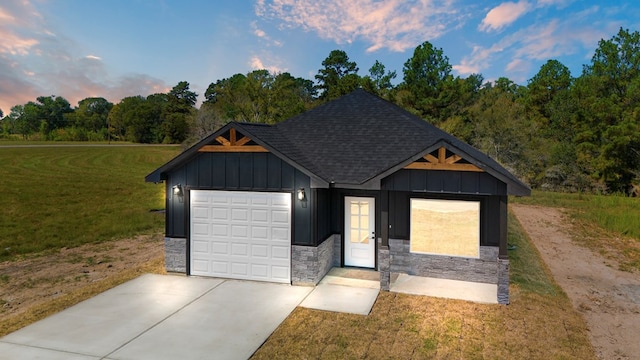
241, 235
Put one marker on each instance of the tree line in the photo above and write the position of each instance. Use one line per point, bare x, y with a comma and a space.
557, 132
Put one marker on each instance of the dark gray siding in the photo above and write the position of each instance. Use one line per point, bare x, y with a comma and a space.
437, 181
322, 216
242, 172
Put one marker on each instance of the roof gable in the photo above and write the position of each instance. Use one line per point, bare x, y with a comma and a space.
353, 141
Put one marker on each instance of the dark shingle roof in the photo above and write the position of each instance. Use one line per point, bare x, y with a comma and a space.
356, 139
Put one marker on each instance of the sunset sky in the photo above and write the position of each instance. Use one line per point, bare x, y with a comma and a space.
118, 48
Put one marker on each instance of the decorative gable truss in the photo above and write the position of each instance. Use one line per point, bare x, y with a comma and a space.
233, 141
443, 159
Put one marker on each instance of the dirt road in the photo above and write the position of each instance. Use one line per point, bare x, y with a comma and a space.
609, 299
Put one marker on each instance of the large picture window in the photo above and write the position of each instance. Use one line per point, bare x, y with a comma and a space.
445, 227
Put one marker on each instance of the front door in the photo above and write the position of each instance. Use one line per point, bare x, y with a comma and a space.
359, 232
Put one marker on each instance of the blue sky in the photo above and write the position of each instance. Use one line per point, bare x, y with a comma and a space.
119, 48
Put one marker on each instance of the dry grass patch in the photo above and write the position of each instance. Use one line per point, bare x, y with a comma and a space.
404, 326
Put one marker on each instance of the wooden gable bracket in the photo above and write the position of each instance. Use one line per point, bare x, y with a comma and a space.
442, 162
232, 144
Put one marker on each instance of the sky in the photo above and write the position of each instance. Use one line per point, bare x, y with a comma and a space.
118, 48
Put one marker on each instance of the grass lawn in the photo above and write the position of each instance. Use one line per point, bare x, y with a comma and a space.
540, 323
55, 197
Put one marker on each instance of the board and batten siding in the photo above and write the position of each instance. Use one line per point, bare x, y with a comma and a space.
447, 185
438, 181
241, 172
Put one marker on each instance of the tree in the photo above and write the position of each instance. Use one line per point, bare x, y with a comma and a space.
378, 81
338, 77
608, 93
91, 114
138, 119
51, 110
260, 97
428, 80
179, 107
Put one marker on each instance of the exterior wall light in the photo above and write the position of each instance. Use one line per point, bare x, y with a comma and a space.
301, 194
177, 190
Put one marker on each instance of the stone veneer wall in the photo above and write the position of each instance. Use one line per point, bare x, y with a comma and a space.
310, 264
384, 266
484, 269
175, 254
503, 281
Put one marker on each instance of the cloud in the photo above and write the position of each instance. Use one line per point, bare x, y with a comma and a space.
538, 42
396, 25
256, 64
504, 14
263, 35
16, 31
37, 61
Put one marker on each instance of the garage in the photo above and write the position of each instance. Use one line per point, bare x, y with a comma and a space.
241, 235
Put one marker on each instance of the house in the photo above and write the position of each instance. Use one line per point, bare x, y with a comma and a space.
355, 182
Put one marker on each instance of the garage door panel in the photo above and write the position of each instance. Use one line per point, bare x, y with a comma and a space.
259, 271
200, 213
260, 233
280, 273
240, 269
239, 199
260, 251
280, 217
240, 214
200, 246
219, 214
279, 233
200, 265
280, 252
259, 216
241, 235
200, 229
219, 248
260, 200
238, 249
219, 268
239, 231
219, 230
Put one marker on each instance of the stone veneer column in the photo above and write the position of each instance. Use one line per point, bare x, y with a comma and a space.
309, 264
503, 281
384, 267
175, 254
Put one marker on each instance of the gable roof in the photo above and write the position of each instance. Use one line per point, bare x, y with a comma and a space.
354, 141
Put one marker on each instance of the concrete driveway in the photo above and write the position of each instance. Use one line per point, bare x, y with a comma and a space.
161, 317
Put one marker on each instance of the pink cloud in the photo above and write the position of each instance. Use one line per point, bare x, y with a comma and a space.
396, 25
35, 62
503, 15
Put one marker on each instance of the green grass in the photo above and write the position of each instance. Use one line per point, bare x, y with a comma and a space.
55, 197
613, 213
527, 270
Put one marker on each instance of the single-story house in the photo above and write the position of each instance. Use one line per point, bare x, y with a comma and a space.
355, 182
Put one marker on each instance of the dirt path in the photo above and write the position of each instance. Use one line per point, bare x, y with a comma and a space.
608, 299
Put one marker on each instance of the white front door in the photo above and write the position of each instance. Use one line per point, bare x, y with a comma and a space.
359, 232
